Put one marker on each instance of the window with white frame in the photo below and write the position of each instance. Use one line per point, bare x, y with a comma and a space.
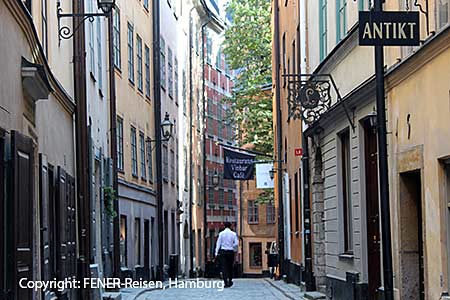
252, 212
341, 22
175, 80
162, 53
170, 72
443, 13
270, 213
147, 71
165, 154
119, 133
91, 46
130, 53
172, 166
134, 163
116, 37
143, 158
346, 199
139, 62
99, 53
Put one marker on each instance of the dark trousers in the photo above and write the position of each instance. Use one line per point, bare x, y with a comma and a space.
227, 259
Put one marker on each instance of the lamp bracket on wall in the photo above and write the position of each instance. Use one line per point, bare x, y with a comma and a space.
310, 96
424, 9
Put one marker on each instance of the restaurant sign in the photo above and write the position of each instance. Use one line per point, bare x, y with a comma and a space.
389, 28
238, 165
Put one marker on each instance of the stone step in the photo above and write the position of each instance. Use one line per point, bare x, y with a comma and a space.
314, 295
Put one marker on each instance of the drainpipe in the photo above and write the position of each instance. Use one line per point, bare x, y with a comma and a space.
279, 137
191, 238
113, 124
205, 220
83, 196
157, 116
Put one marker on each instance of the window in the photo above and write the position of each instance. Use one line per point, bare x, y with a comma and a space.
252, 212
172, 166
91, 41
137, 241
323, 28
150, 162
186, 168
345, 175
211, 197
219, 60
147, 71
119, 133
116, 37
44, 26
130, 53
255, 255
175, 80
170, 72
142, 150
165, 157
443, 12
341, 19
163, 62
99, 53
230, 199
134, 164
284, 59
363, 5
139, 62
123, 240
221, 198
184, 93
146, 4
270, 213
208, 50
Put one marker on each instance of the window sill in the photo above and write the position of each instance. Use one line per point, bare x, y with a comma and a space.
346, 256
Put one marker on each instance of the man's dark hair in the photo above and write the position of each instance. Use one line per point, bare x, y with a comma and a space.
227, 225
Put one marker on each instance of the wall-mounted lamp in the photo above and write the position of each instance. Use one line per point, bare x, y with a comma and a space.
66, 32
215, 179
373, 118
166, 130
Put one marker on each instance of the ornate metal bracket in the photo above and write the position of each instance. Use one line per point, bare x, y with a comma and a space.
65, 32
310, 96
425, 11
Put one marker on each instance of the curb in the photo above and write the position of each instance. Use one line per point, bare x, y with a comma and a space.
281, 290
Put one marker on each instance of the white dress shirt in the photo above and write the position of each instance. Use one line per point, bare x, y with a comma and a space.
227, 241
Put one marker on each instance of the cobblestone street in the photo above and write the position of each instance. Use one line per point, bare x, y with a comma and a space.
243, 289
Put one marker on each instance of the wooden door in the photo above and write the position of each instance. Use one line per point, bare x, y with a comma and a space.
2, 207
372, 211
22, 211
45, 216
147, 246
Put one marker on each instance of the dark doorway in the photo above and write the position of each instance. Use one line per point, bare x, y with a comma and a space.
2, 203
372, 211
166, 237
147, 247
22, 212
411, 236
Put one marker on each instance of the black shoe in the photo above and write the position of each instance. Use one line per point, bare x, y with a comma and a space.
230, 284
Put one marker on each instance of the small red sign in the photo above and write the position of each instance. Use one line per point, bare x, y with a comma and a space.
298, 151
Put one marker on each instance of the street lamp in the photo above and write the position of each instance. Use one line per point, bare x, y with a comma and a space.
373, 118
272, 173
166, 130
65, 32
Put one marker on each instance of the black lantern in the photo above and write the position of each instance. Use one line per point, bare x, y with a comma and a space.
373, 118
272, 173
166, 127
106, 5
215, 179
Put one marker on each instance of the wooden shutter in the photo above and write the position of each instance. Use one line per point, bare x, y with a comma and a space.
23, 194
61, 236
71, 216
45, 216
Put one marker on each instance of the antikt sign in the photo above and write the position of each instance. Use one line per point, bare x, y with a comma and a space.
389, 28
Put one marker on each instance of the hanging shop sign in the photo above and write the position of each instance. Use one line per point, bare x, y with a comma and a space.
263, 180
298, 151
238, 165
389, 28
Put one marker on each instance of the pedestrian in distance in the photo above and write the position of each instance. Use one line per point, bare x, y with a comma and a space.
226, 247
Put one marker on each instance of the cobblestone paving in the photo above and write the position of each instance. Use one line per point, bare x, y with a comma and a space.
243, 289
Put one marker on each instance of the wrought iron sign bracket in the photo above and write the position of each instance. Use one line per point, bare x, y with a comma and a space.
65, 32
424, 11
310, 97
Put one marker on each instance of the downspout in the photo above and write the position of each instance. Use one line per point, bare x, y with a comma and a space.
279, 137
204, 138
191, 241
83, 196
157, 116
113, 124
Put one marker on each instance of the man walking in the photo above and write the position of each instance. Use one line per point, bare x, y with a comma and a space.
226, 246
